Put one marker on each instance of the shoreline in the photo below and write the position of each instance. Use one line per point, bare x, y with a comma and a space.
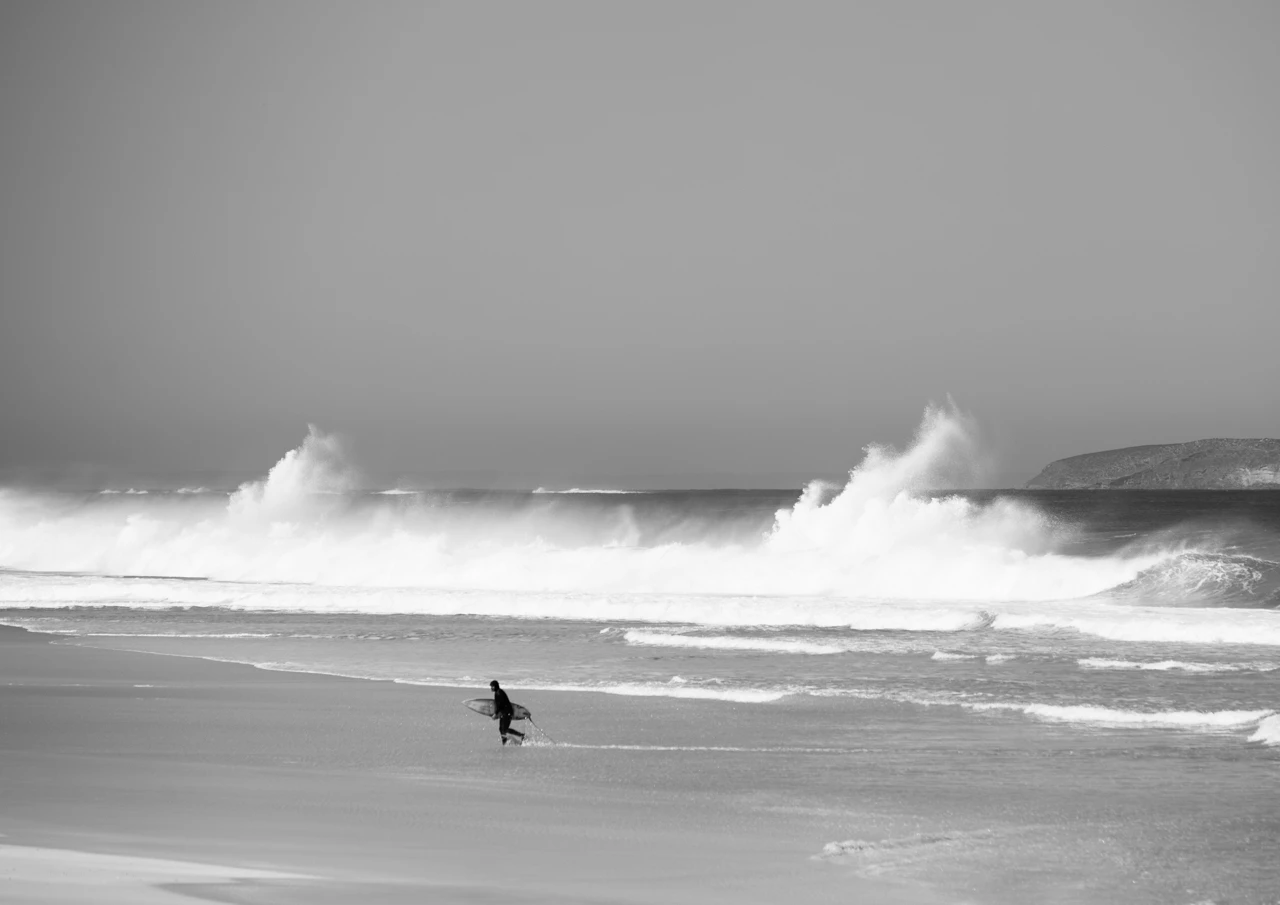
393, 792
1250, 723
188, 760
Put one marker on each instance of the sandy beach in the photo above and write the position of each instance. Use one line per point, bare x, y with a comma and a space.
154, 779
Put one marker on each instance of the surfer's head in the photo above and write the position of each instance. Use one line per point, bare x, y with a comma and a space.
494, 684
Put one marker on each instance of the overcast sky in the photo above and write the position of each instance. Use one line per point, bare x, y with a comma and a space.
672, 243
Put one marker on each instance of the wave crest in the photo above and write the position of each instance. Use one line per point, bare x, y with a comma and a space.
879, 539
1195, 720
289, 490
1268, 732
1218, 579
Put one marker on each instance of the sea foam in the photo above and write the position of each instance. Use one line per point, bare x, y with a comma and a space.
1268, 732
723, 642
877, 554
1158, 624
1174, 665
1112, 717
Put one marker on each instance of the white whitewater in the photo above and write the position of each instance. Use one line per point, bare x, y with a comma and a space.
877, 539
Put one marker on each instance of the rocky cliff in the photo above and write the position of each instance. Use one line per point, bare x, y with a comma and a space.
1199, 465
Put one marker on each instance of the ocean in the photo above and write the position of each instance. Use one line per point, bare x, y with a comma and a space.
1038, 655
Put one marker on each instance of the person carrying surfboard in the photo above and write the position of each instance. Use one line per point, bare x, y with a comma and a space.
503, 712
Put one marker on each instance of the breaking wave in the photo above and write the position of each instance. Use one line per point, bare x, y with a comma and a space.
1206, 579
1174, 665
723, 642
1264, 722
1166, 625
1194, 720
879, 553
1268, 732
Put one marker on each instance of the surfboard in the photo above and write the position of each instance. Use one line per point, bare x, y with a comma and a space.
485, 706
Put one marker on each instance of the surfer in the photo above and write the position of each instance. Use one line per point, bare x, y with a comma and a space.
503, 712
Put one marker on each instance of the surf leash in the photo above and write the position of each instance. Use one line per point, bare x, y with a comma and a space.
540, 732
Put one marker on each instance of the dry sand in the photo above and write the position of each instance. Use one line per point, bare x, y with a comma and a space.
158, 779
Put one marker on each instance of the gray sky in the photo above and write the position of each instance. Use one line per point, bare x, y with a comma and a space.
676, 243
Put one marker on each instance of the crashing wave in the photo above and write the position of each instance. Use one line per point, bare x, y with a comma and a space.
1219, 579
1150, 624
862, 555
722, 642
1174, 665
288, 492
1268, 732
1194, 720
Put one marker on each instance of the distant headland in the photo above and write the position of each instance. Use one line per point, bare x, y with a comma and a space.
1198, 465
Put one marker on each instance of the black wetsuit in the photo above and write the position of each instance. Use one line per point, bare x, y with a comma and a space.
502, 707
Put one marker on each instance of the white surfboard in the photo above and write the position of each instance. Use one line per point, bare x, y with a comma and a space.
485, 706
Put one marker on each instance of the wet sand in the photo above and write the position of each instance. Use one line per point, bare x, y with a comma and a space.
366, 791
161, 779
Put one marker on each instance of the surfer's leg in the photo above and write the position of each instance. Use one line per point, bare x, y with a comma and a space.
504, 727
